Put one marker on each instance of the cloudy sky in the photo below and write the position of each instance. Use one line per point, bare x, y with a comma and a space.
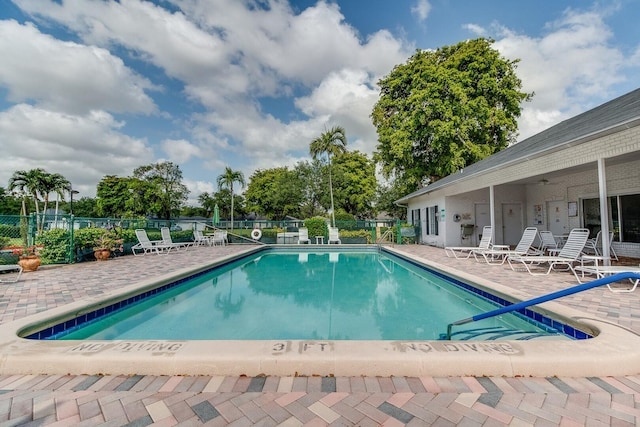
90, 88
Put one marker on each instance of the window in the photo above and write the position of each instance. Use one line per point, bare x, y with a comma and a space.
630, 218
431, 223
415, 217
624, 217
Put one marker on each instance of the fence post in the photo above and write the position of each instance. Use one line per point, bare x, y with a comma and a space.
71, 251
32, 228
399, 232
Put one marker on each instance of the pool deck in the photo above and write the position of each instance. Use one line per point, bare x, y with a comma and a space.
308, 400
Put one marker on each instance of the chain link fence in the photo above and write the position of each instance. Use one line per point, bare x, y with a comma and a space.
60, 239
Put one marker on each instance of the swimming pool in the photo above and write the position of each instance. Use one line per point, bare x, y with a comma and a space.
306, 295
613, 350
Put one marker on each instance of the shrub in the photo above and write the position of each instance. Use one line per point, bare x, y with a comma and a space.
317, 226
54, 245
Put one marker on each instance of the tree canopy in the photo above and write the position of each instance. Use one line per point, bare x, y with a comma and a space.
445, 109
275, 193
168, 190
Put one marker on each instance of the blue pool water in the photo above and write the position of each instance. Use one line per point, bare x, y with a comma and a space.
363, 295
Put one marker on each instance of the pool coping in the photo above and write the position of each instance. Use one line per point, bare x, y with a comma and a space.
614, 351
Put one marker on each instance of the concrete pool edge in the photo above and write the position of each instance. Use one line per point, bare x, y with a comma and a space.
612, 352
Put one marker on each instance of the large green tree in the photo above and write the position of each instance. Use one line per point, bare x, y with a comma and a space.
113, 196
445, 109
169, 192
355, 183
275, 193
313, 188
226, 181
332, 142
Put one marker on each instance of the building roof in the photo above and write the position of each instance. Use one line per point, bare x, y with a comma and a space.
619, 111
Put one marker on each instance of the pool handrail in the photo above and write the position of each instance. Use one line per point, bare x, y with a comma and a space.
543, 298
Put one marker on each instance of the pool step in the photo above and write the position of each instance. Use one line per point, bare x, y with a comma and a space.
502, 333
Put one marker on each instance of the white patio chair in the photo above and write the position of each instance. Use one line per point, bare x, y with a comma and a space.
568, 255
220, 238
303, 235
547, 241
167, 240
499, 256
145, 245
334, 236
466, 251
200, 239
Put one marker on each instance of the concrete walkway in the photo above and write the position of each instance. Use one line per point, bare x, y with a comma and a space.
316, 401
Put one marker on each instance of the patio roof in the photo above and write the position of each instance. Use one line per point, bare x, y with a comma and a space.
623, 111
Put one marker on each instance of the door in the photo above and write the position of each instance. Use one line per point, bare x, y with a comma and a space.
482, 218
557, 217
511, 223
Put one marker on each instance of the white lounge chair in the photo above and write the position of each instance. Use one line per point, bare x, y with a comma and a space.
303, 235
167, 240
200, 239
606, 270
145, 245
11, 267
596, 245
466, 251
547, 241
568, 255
334, 236
499, 256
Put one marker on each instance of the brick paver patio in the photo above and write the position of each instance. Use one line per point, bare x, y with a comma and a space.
316, 401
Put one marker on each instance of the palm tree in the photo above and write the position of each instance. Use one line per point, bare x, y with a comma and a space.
52, 183
27, 182
331, 142
226, 180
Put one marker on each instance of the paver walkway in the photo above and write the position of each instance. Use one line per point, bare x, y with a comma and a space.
315, 401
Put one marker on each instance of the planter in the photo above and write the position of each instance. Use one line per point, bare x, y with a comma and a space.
102, 254
29, 262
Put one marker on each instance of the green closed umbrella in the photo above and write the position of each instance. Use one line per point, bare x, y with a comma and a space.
216, 215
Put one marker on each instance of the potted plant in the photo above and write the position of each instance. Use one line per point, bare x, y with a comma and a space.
105, 243
29, 259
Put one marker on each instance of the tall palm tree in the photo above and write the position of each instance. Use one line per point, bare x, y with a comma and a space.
52, 183
226, 180
27, 182
330, 142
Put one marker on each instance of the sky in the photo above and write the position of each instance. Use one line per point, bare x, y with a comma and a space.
90, 88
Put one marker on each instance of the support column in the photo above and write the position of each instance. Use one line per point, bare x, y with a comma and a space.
604, 210
492, 213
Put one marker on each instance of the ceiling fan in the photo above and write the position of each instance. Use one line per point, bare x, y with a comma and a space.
545, 181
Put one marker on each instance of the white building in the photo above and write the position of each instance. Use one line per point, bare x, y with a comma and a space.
583, 172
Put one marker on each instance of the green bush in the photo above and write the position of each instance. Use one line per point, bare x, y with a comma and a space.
4, 241
55, 245
317, 226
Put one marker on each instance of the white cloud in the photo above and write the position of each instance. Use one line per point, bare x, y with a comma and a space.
421, 9
67, 76
82, 148
571, 63
475, 29
180, 150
